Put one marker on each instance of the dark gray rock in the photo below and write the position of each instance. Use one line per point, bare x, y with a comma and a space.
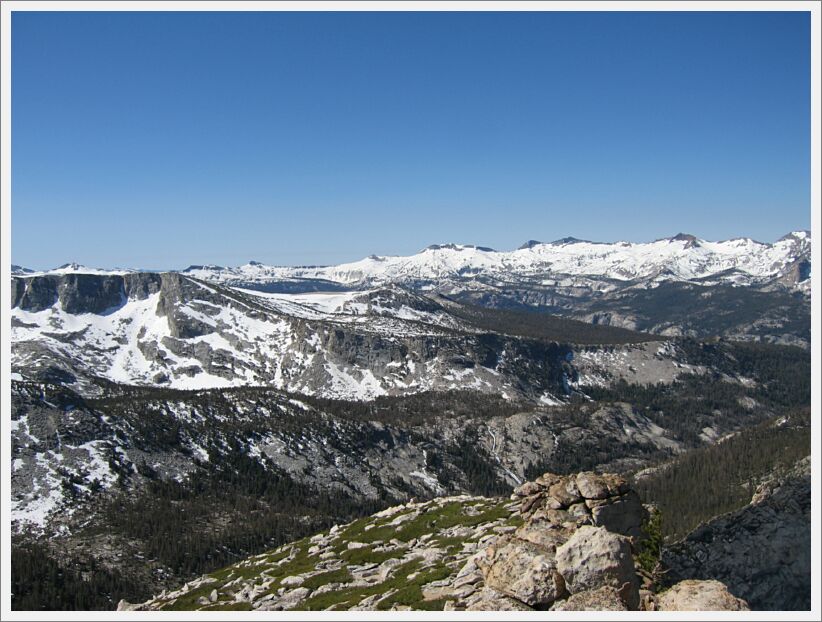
624, 515
761, 552
34, 293
91, 293
82, 293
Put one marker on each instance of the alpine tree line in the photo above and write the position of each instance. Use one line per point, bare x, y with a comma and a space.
709, 481
533, 323
717, 398
39, 582
220, 514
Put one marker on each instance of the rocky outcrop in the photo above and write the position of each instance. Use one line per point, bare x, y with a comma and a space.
82, 293
605, 598
175, 331
577, 537
582, 499
761, 552
524, 571
459, 553
594, 558
693, 595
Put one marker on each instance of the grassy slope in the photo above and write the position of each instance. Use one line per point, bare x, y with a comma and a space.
443, 522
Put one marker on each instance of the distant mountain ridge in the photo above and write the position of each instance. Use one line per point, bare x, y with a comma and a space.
683, 257
223, 325
171, 329
680, 258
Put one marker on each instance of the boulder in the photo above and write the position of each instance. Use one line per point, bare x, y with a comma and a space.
288, 600
579, 512
527, 489
531, 503
488, 599
593, 486
624, 515
545, 535
524, 571
469, 574
605, 598
565, 492
292, 581
548, 515
595, 557
691, 595
546, 480
551, 503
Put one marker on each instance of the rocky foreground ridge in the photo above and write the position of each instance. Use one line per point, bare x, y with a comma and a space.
762, 551
562, 543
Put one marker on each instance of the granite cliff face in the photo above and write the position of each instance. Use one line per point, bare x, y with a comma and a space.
564, 543
85, 293
761, 552
171, 330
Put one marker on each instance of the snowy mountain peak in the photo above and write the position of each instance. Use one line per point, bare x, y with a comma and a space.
802, 234
458, 247
197, 267
71, 267
691, 241
67, 268
559, 242
684, 237
570, 240
567, 262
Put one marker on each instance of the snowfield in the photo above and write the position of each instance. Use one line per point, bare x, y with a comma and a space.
248, 338
680, 258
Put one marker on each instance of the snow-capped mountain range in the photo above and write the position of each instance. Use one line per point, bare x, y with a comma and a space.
740, 261
382, 327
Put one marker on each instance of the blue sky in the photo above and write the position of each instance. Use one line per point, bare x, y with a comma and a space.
159, 140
